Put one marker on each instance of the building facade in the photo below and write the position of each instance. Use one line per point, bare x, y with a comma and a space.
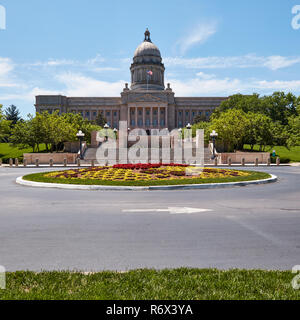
147, 104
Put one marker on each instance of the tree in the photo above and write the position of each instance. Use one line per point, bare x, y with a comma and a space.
4, 125
231, 126
294, 132
12, 114
100, 120
259, 130
50, 129
247, 103
205, 125
281, 106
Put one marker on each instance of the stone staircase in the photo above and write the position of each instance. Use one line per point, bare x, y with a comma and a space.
91, 154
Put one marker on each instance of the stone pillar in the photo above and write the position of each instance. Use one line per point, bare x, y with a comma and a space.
112, 119
128, 117
151, 117
158, 117
166, 118
136, 117
144, 116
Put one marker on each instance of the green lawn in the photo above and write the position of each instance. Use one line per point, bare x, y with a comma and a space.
7, 152
286, 155
178, 284
39, 177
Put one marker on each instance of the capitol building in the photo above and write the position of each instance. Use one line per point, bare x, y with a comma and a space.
146, 104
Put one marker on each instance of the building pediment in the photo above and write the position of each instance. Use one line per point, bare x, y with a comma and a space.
157, 97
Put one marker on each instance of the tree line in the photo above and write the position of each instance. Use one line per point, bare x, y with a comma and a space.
50, 130
254, 120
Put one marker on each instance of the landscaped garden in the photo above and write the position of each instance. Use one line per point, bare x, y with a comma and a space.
146, 175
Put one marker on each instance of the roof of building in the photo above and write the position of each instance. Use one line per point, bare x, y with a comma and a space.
147, 48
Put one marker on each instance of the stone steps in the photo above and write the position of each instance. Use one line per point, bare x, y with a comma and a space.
91, 154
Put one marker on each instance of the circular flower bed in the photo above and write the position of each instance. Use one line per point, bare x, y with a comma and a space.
146, 175
145, 172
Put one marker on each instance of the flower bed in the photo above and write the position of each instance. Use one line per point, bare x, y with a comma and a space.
146, 172
145, 175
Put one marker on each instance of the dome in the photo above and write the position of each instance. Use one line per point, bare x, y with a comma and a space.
147, 48
147, 69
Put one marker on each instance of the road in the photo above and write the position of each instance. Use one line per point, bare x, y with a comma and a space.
245, 227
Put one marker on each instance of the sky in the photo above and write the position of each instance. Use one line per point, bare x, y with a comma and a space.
85, 48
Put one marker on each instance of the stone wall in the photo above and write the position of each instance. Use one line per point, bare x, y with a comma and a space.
250, 157
44, 158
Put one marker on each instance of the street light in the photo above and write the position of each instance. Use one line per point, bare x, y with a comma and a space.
189, 126
115, 131
214, 135
80, 135
106, 127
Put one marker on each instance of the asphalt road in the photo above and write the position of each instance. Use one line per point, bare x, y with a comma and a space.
247, 227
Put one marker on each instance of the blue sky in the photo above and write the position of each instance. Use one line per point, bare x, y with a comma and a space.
84, 48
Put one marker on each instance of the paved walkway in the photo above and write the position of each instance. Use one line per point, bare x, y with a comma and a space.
245, 227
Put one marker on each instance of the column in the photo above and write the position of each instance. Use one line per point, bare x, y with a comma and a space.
136, 117
166, 115
158, 118
112, 118
128, 118
190, 116
151, 117
144, 117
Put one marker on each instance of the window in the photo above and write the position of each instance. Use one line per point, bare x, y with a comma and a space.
187, 113
180, 113
200, 113
147, 122
140, 122
108, 113
154, 122
133, 111
155, 112
180, 123
162, 122
132, 122
140, 112
162, 111
148, 112
207, 113
115, 113
95, 114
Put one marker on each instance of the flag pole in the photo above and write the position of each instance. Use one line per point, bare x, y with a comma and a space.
147, 80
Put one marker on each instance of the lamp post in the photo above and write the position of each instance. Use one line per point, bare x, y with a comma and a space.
115, 132
106, 127
80, 135
189, 127
214, 135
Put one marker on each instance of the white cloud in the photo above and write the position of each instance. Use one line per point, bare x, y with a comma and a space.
278, 62
205, 76
228, 86
198, 35
246, 61
78, 85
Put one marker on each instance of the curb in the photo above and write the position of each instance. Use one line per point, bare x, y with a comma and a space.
27, 183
